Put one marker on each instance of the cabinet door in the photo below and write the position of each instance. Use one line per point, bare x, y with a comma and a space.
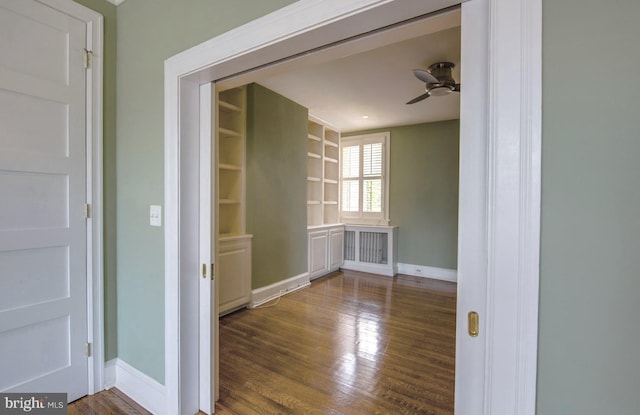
318, 258
336, 249
234, 275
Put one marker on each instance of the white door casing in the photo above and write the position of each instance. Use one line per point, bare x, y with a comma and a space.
50, 166
500, 142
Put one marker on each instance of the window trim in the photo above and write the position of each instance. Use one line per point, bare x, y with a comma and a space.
360, 217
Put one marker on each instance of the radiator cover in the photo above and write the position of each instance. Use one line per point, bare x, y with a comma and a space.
371, 249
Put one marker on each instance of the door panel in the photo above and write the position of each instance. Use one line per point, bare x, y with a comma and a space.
336, 244
318, 260
234, 274
43, 265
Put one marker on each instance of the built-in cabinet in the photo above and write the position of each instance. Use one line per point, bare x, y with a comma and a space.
234, 272
372, 249
326, 249
234, 245
326, 235
336, 248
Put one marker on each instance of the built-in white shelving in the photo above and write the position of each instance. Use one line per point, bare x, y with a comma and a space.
322, 173
234, 245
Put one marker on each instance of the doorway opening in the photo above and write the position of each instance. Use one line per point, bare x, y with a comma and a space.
484, 133
370, 75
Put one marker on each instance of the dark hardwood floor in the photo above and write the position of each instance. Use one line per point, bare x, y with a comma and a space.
351, 344
109, 402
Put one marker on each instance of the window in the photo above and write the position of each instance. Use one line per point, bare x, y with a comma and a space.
364, 179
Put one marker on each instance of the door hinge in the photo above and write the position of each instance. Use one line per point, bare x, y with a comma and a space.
87, 211
87, 57
88, 350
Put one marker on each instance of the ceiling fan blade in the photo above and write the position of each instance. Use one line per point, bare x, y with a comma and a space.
457, 88
425, 76
418, 99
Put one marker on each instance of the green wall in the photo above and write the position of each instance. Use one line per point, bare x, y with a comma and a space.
588, 362
276, 185
108, 11
423, 198
148, 33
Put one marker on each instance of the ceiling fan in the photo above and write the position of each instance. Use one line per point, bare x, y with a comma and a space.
438, 79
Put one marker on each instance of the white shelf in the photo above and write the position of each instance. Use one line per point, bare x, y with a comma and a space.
234, 247
229, 167
230, 151
322, 166
225, 132
223, 105
228, 202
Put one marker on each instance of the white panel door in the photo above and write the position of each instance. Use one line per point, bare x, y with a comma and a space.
43, 298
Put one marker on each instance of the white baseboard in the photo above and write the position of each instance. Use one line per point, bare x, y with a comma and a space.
380, 269
110, 374
271, 292
146, 391
428, 272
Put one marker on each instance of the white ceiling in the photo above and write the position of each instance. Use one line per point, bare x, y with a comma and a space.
371, 77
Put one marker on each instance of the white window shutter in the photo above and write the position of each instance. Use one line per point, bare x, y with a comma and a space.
351, 161
372, 159
364, 179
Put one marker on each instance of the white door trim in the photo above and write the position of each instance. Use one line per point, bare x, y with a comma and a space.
95, 259
509, 230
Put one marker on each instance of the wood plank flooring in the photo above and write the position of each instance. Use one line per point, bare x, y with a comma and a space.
350, 344
109, 402
353, 343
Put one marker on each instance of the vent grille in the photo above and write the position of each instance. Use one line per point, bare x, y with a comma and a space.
373, 247
350, 245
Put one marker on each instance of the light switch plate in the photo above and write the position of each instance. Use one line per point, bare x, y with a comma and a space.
155, 215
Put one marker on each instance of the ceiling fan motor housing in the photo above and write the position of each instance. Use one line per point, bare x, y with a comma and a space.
442, 71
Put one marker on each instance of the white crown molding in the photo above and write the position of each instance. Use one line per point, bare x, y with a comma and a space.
116, 2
